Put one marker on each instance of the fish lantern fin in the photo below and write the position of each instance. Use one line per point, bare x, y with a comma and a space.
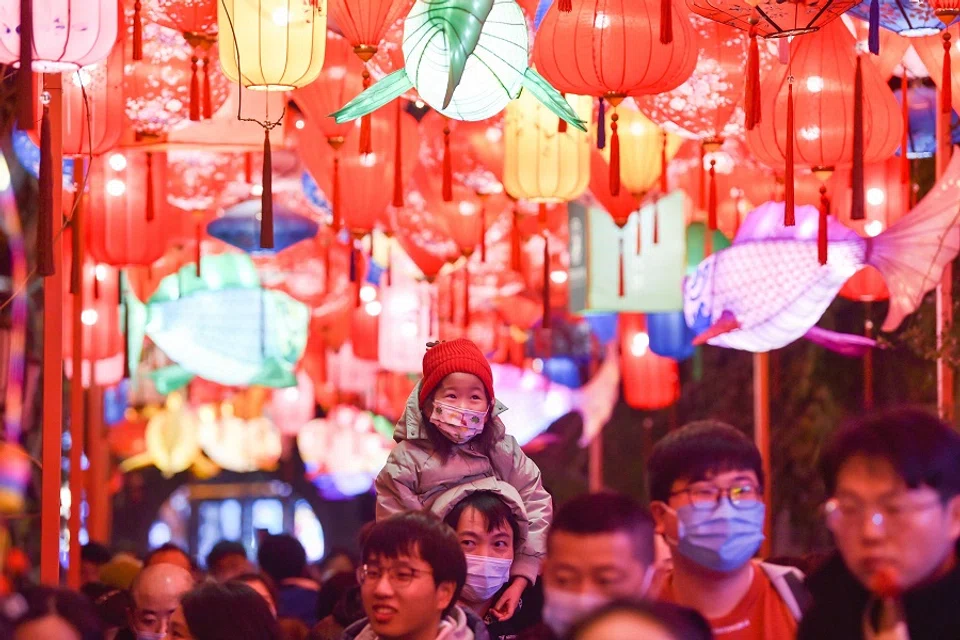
170, 379
389, 88
844, 344
551, 98
726, 323
461, 22
275, 373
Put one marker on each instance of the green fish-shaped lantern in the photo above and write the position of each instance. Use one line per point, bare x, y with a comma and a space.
467, 59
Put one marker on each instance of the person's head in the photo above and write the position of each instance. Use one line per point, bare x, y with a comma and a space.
227, 560
111, 605
155, 594
93, 555
334, 562
488, 532
170, 553
599, 548
647, 620
456, 396
282, 557
263, 585
894, 482
121, 571
703, 476
42, 612
231, 611
412, 572
332, 591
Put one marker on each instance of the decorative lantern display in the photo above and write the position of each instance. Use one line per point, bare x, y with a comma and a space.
128, 221
468, 153
923, 115
240, 227
293, 407
127, 438
650, 382
236, 444
620, 206
172, 437
66, 34
931, 51
364, 331
315, 272
903, 17
542, 163
644, 151
272, 45
772, 18
100, 320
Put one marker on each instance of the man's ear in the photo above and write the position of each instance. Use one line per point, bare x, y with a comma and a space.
445, 591
660, 512
953, 517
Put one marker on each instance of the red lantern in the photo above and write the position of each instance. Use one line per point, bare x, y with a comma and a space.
931, 52
772, 18
365, 22
338, 83
620, 206
650, 382
129, 223
427, 251
364, 332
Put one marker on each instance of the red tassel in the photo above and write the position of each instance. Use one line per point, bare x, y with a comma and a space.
663, 163
703, 178
26, 93
516, 245
389, 262
248, 167
656, 224
198, 249
857, 207
565, 6
126, 325
639, 232
466, 296
546, 282
946, 89
398, 160
137, 32
789, 218
366, 145
666, 22
335, 205
601, 125
621, 271
151, 206
614, 156
447, 166
483, 230
712, 201
905, 136
266, 198
45, 213
561, 123
542, 216
194, 90
96, 284
822, 230
207, 95
752, 96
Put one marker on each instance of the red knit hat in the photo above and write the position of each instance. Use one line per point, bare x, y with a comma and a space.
457, 356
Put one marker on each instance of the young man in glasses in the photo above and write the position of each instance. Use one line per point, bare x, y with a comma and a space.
412, 572
706, 488
894, 482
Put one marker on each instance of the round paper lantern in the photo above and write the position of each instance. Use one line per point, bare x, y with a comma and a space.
239, 445
338, 82
364, 329
67, 34
240, 227
100, 319
127, 438
293, 407
196, 181
128, 223
272, 45
171, 437
541, 162
903, 17
641, 151
428, 250
772, 18
650, 382
669, 335
930, 50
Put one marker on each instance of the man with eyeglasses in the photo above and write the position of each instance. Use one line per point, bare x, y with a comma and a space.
894, 511
412, 572
706, 488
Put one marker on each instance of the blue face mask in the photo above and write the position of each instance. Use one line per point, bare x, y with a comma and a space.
722, 539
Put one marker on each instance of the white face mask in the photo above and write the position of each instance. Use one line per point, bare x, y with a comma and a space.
459, 425
485, 576
150, 635
563, 609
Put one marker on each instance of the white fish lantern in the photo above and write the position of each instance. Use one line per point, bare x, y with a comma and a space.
171, 437
467, 59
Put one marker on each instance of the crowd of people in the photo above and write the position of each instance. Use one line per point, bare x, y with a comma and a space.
466, 546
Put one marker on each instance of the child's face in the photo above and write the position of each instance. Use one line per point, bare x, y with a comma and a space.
462, 390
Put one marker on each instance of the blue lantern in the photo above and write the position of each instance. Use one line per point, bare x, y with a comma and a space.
924, 111
240, 227
562, 371
669, 335
912, 19
28, 155
604, 326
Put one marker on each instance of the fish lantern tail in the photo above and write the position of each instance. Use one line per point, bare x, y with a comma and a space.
912, 254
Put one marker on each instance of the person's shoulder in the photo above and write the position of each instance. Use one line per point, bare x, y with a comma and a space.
354, 629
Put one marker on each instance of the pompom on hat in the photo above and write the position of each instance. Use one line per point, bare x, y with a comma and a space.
456, 356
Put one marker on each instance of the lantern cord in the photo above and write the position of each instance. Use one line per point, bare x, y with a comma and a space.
873, 40
857, 210
666, 21
26, 94
905, 136
663, 162
752, 95
335, 205
516, 245
621, 276
398, 158
483, 229
45, 262
822, 230
712, 197
789, 218
639, 233
546, 281
266, 198
207, 94
198, 250
151, 211
447, 165
466, 296
565, 6
366, 145
614, 156
137, 32
76, 238
946, 89
602, 125
194, 89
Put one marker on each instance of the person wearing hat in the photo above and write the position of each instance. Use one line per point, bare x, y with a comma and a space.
451, 435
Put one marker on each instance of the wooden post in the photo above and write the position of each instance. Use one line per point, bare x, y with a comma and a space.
52, 391
945, 373
98, 476
77, 412
761, 436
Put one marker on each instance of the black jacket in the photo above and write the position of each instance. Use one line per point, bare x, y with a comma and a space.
839, 601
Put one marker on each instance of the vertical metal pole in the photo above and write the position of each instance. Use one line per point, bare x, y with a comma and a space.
761, 436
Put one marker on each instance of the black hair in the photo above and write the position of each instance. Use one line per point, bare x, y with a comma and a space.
96, 553
922, 449
110, 603
224, 549
423, 535
333, 554
169, 546
698, 450
680, 622
230, 611
485, 441
263, 579
608, 512
332, 591
74, 608
493, 509
282, 557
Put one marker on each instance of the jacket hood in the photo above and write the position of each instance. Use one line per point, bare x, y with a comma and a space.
461, 624
410, 425
448, 500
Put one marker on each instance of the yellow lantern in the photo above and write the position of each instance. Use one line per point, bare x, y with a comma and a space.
272, 45
544, 162
644, 149
171, 437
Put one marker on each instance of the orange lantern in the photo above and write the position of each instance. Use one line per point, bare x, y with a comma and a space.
650, 382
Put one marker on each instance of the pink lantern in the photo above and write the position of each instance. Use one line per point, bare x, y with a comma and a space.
293, 407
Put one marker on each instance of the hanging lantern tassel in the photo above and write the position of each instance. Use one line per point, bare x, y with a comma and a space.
621, 275
946, 99
398, 159
752, 87
26, 95
546, 281
96, 284
873, 39
248, 167
151, 208
366, 145
76, 239
194, 89
857, 210
702, 170
666, 22
712, 200
516, 245
466, 296
137, 32
266, 198
355, 273
45, 213
789, 219
639, 232
614, 156
656, 223
483, 229
663, 163
822, 231
198, 238
905, 136
602, 125
447, 165
335, 205
207, 97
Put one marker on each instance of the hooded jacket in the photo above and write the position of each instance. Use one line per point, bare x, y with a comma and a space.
415, 476
461, 624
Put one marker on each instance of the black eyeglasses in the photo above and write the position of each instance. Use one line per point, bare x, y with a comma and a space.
399, 576
706, 497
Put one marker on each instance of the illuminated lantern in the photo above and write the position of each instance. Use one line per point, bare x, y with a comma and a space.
171, 437
542, 163
364, 329
773, 18
650, 382
903, 17
641, 151
293, 407
239, 445
128, 223
15, 471
931, 51
469, 153
405, 327
127, 438
346, 442
240, 227
67, 34
100, 320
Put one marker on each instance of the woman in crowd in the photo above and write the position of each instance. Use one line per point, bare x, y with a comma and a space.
54, 614
231, 611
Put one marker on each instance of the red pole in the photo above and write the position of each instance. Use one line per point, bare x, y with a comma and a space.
761, 436
77, 417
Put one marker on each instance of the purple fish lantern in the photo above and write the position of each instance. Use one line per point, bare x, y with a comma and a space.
240, 227
14, 478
